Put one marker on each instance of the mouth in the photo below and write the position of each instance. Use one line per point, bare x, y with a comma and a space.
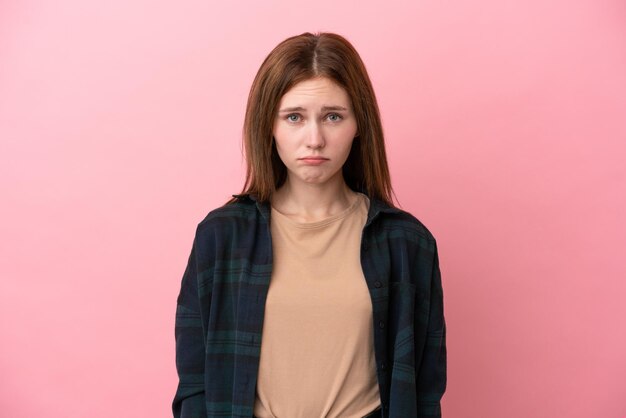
314, 159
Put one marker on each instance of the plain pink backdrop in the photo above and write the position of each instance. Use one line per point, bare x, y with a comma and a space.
120, 126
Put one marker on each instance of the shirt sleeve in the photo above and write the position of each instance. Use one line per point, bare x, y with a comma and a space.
432, 373
189, 400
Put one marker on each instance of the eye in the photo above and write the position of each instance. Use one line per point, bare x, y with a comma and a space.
334, 117
293, 117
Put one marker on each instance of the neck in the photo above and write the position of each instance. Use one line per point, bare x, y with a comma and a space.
310, 202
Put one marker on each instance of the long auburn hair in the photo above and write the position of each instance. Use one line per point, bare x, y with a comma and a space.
300, 58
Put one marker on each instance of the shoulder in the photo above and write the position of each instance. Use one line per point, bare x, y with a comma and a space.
229, 217
410, 241
240, 209
404, 224
237, 230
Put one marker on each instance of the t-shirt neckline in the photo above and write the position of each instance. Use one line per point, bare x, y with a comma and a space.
321, 222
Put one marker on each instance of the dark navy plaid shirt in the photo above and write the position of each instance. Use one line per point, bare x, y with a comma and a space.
220, 307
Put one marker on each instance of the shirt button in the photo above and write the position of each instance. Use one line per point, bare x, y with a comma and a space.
382, 366
377, 284
381, 324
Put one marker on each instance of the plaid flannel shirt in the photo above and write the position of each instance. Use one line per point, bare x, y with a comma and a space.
219, 312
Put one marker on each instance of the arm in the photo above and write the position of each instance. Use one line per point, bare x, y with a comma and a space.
189, 400
431, 376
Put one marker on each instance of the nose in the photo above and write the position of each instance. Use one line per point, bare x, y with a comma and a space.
315, 136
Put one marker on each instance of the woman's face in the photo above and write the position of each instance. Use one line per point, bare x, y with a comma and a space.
314, 129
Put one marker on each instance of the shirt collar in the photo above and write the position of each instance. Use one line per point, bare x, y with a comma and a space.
376, 206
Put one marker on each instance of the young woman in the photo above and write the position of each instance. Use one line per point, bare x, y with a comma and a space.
309, 294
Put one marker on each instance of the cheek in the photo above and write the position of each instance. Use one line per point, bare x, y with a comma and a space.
349, 130
282, 135
284, 146
280, 150
282, 143
279, 138
347, 148
288, 139
347, 136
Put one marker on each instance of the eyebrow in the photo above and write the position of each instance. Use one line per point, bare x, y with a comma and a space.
300, 108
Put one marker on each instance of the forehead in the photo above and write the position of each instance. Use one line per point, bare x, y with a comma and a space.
314, 91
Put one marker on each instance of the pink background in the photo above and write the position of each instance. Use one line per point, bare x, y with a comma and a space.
120, 125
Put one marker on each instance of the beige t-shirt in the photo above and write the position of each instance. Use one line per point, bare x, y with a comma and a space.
317, 350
